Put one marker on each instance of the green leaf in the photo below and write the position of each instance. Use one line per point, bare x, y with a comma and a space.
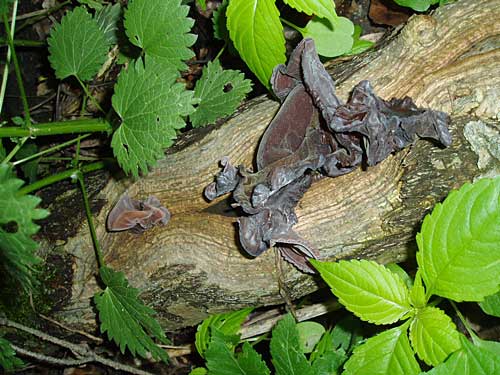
92, 4
152, 107
491, 346
286, 353
359, 45
17, 249
257, 34
491, 305
219, 21
329, 363
388, 353
8, 359
368, 289
228, 324
219, 92
459, 243
3, 153
5, 6
469, 360
309, 335
126, 319
433, 335
161, 28
347, 333
29, 168
398, 270
417, 292
77, 46
107, 19
332, 36
320, 8
199, 371
222, 361
418, 5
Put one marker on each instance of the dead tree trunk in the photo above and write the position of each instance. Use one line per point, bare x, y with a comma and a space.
194, 266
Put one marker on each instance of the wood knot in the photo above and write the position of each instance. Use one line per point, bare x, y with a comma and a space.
420, 30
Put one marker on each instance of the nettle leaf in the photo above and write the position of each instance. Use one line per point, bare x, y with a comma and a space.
8, 359
332, 36
221, 359
152, 107
17, 249
491, 305
228, 324
417, 292
257, 34
126, 319
287, 356
107, 19
418, 5
77, 46
388, 352
320, 8
219, 92
310, 334
367, 289
161, 28
459, 243
433, 335
469, 360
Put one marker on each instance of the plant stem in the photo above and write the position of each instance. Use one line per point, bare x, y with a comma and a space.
87, 92
17, 69
90, 125
60, 176
95, 241
7, 60
295, 27
23, 43
50, 150
15, 150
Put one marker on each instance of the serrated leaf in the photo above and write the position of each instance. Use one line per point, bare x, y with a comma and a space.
320, 8
309, 335
219, 92
107, 19
161, 28
77, 46
388, 353
459, 243
221, 359
417, 292
491, 305
152, 107
433, 335
8, 359
328, 363
228, 324
126, 319
286, 353
367, 289
398, 270
17, 249
469, 360
257, 34
332, 36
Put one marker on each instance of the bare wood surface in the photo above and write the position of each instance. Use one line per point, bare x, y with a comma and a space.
194, 266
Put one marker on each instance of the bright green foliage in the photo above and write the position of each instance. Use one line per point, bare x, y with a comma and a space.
5, 6
219, 92
17, 249
8, 360
320, 8
107, 19
418, 5
77, 46
199, 371
257, 34
359, 45
332, 36
325, 359
126, 319
309, 335
228, 324
161, 28
433, 335
417, 292
368, 289
387, 353
491, 346
491, 305
398, 270
221, 359
152, 107
469, 360
459, 243
287, 356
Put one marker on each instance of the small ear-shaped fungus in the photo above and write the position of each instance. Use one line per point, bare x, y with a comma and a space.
314, 131
137, 216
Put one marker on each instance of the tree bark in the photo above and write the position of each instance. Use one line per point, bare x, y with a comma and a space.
194, 266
